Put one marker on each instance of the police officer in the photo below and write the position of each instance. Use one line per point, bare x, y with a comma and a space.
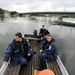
48, 51
19, 51
43, 32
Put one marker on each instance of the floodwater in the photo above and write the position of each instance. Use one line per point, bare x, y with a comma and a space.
65, 37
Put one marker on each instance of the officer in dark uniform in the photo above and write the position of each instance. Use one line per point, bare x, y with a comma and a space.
43, 32
19, 51
48, 51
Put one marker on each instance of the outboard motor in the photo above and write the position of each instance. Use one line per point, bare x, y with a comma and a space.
35, 32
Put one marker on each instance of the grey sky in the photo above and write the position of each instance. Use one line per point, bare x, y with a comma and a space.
38, 5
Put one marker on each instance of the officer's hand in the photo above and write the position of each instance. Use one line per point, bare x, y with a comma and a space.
29, 54
45, 36
40, 50
5, 62
41, 38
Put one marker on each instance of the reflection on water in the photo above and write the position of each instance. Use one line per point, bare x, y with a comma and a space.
1, 19
64, 36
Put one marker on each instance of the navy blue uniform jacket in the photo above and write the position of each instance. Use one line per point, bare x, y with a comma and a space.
17, 49
43, 32
50, 49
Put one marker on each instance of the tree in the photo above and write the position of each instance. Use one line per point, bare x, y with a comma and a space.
1, 13
13, 13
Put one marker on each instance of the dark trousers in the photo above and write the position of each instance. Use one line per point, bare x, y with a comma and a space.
46, 56
22, 61
28, 57
42, 63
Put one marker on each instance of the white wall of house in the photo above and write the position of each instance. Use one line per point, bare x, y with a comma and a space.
6, 14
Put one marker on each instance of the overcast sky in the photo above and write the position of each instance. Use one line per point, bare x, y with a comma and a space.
38, 5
